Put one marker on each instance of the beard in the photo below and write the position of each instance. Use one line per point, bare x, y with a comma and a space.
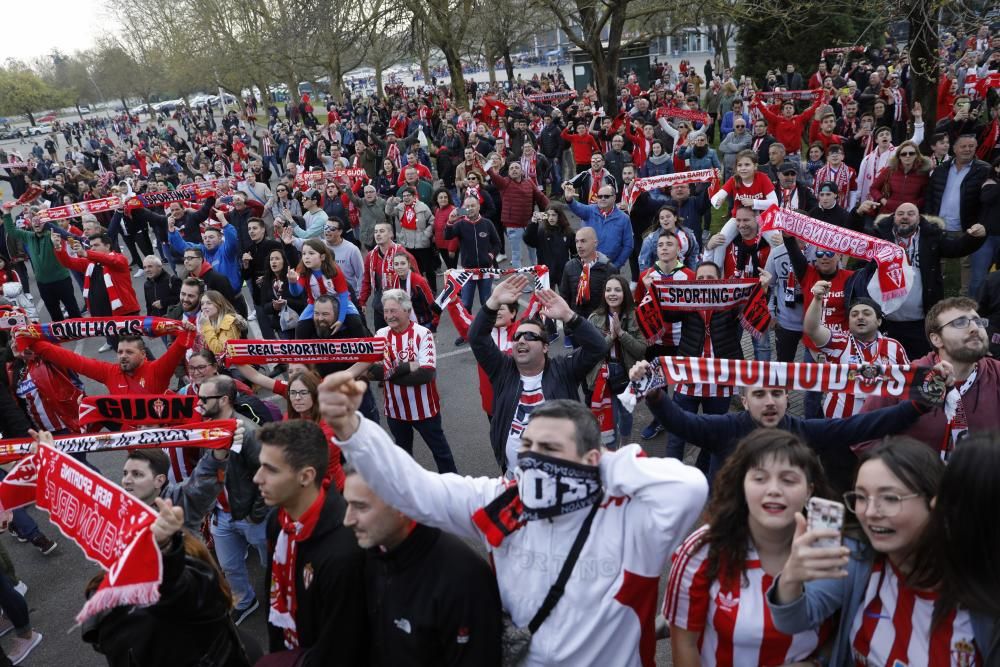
905, 232
962, 352
323, 330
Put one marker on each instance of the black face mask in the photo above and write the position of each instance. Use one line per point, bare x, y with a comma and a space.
549, 486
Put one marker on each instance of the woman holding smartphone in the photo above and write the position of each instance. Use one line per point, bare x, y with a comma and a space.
885, 619
715, 595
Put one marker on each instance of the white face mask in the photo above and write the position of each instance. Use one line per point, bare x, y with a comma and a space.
549, 486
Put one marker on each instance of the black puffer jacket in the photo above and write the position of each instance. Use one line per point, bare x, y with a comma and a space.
165, 288
554, 247
724, 330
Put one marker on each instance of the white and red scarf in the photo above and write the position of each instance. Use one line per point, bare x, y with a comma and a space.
887, 255
552, 97
392, 154
79, 208
841, 176
841, 49
583, 287
679, 178
111, 525
902, 381
789, 94
113, 297
303, 145
390, 279
208, 435
96, 327
316, 284
455, 280
318, 351
684, 114
954, 411
284, 593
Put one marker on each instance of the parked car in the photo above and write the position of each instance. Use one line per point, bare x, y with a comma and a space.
40, 129
84, 110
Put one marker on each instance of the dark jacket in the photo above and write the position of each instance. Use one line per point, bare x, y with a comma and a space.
260, 257
555, 248
969, 191
190, 224
933, 245
432, 601
550, 141
989, 199
189, 623
840, 216
245, 501
218, 282
165, 288
807, 200
830, 438
560, 379
478, 242
724, 329
268, 293
599, 274
331, 619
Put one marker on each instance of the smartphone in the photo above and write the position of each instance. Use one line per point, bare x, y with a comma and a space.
823, 514
461, 212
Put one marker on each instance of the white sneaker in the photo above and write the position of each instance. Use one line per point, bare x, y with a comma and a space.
501, 257
104, 348
20, 648
138, 273
21, 588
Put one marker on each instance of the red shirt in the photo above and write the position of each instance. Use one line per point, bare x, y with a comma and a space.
788, 131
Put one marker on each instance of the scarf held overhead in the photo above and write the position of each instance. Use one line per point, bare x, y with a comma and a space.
139, 410
111, 525
679, 178
318, 351
899, 381
92, 327
887, 255
455, 280
208, 435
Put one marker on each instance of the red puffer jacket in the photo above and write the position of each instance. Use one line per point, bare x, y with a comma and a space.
898, 187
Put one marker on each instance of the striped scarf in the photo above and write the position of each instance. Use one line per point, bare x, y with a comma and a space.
842, 177
113, 297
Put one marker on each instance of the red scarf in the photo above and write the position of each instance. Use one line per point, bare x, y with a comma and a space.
990, 139
113, 297
596, 180
284, 605
139, 410
409, 219
600, 405
392, 153
583, 287
390, 279
303, 144
108, 523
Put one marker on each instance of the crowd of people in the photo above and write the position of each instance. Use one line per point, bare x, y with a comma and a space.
385, 218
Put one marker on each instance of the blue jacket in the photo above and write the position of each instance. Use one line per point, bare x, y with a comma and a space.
614, 232
824, 597
727, 123
225, 258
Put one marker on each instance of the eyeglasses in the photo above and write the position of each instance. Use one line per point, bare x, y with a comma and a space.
298, 393
825, 253
605, 196
204, 399
198, 368
964, 321
529, 336
908, 154
886, 504
187, 257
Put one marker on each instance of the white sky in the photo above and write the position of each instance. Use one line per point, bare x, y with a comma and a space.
34, 29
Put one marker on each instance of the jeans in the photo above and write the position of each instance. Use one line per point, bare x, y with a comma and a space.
232, 538
556, 174
432, 433
709, 406
761, 346
485, 287
13, 605
981, 260
514, 237
272, 160
59, 292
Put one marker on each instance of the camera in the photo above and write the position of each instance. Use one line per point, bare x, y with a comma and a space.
11, 321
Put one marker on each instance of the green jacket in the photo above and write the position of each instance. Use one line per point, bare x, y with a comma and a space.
43, 256
633, 343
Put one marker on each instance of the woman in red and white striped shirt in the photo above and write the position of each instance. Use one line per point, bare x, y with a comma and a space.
885, 619
720, 574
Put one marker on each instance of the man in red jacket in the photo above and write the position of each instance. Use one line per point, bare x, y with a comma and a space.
107, 282
787, 128
133, 374
519, 195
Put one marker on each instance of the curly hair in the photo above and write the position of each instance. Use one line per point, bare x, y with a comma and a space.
727, 513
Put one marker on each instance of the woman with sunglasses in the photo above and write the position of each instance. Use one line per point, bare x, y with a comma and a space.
885, 619
904, 179
282, 201
303, 403
714, 600
616, 319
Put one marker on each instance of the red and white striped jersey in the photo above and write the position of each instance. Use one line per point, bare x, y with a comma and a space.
844, 348
893, 627
43, 413
732, 616
418, 402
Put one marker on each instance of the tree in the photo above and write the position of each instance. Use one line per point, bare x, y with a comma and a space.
445, 24
504, 24
585, 23
115, 72
23, 92
786, 31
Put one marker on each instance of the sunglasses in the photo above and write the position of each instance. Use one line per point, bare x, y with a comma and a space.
825, 253
605, 196
529, 336
908, 154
